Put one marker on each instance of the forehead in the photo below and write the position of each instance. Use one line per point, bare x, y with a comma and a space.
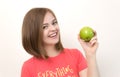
49, 17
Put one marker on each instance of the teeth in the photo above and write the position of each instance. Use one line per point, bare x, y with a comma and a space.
52, 35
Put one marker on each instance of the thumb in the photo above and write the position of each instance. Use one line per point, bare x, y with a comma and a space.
80, 40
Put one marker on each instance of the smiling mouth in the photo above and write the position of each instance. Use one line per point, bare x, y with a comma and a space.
52, 35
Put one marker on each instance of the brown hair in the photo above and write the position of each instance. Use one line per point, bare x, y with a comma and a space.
32, 32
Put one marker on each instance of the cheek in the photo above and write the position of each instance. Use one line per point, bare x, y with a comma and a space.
58, 28
44, 34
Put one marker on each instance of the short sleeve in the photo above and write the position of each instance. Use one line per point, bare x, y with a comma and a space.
25, 71
82, 63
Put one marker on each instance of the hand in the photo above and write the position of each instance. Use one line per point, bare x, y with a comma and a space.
89, 47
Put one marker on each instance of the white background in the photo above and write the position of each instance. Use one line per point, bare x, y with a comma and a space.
102, 15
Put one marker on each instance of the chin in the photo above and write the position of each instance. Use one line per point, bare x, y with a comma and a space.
54, 42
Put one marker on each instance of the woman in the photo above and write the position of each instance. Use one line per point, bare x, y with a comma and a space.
41, 38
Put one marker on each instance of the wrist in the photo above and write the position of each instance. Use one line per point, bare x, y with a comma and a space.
91, 57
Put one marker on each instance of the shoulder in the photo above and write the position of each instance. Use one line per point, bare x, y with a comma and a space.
29, 62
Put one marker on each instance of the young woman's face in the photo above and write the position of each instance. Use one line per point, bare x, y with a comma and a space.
50, 30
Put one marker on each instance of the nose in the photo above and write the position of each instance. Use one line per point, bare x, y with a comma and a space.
52, 27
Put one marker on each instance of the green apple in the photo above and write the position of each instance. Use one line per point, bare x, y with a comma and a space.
86, 33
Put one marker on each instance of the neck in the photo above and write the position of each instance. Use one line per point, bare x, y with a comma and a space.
51, 51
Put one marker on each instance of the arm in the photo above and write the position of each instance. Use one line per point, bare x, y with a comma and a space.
90, 52
92, 67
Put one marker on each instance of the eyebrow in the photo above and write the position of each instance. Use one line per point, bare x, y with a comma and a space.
52, 21
44, 24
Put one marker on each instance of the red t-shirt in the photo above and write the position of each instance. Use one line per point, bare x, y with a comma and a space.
67, 64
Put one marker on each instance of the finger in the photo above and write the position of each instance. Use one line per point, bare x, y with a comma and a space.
92, 43
94, 38
80, 40
95, 33
97, 44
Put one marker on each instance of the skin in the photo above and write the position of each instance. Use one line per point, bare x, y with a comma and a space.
90, 52
51, 28
50, 34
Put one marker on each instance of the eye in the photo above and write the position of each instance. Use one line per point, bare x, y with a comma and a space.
54, 22
45, 27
